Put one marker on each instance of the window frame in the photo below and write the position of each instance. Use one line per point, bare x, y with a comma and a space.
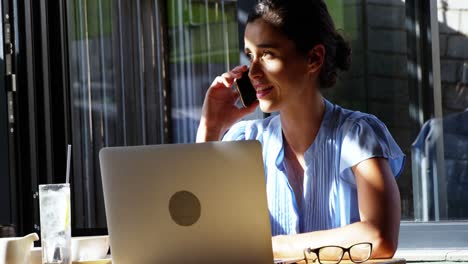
433, 235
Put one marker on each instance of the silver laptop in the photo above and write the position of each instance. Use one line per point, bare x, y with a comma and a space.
187, 203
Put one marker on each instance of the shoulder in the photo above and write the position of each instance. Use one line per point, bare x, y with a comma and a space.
357, 129
252, 129
362, 136
348, 121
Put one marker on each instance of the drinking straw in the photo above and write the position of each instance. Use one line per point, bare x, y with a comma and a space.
67, 180
68, 163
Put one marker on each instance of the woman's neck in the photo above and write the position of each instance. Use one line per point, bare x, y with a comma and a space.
301, 122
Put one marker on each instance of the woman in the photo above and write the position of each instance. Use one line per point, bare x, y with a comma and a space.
330, 172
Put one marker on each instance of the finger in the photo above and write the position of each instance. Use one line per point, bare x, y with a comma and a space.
234, 96
221, 81
216, 82
240, 69
228, 79
232, 75
227, 82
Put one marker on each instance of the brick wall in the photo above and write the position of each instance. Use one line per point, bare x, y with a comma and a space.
388, 94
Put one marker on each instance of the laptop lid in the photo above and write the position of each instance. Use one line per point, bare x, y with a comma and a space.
187, 203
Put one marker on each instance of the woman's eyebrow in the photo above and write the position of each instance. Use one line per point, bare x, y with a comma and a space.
265, 46
268, 45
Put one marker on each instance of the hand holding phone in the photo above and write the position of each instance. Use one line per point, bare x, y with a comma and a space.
247, 92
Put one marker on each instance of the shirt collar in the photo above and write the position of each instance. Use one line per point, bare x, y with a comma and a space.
278, 150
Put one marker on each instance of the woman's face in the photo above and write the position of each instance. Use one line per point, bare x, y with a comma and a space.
277, 71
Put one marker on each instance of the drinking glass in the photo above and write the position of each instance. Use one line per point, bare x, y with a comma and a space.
54, 206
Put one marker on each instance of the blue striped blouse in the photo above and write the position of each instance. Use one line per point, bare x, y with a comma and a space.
329, 199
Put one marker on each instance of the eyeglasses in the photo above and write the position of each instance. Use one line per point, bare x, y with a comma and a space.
358, 253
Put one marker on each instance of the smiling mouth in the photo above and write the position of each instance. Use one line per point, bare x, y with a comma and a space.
264, 91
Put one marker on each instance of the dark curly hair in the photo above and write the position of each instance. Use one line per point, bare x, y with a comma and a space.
308, 23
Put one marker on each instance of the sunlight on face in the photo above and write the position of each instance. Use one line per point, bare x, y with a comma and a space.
278, 72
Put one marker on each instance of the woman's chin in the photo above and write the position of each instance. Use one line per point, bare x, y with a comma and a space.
267, 106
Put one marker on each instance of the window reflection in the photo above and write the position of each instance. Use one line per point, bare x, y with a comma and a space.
123, 93
118, 93
203, 38
440, 159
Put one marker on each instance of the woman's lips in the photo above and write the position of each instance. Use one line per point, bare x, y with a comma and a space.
263, 91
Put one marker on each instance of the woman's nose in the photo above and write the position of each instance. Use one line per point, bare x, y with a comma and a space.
255, 70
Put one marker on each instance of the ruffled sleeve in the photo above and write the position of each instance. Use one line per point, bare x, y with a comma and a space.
364, 138
236, 132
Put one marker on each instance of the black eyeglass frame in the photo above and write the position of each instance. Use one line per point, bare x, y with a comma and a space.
344, 250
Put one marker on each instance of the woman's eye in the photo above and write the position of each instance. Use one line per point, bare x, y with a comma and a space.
249, 56
268, 55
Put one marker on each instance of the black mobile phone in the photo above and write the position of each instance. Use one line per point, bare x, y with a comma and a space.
247, 92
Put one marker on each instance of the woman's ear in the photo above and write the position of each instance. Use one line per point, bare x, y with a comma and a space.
315, 58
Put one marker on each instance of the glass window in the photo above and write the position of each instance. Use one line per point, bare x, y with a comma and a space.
203, 39
139, 71
428, 122
377, 82
118, 93
443, 140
